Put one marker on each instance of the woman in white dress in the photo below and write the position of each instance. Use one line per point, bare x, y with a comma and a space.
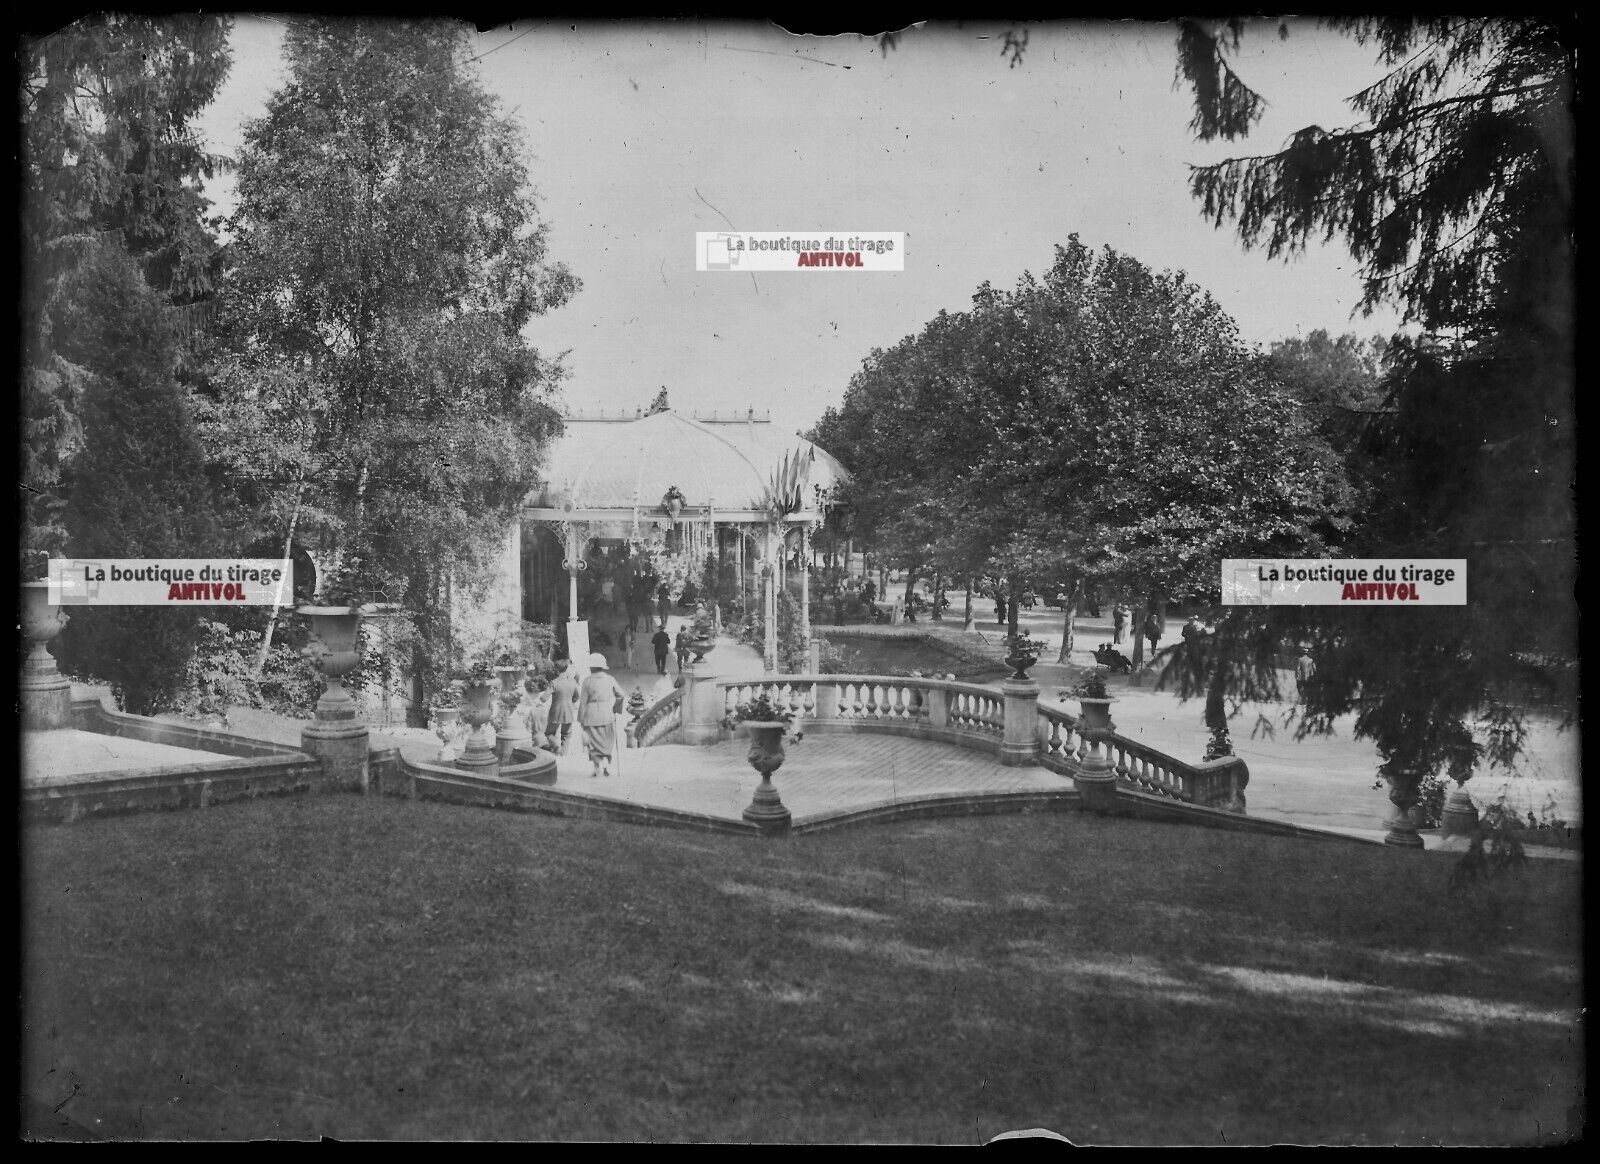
600, 700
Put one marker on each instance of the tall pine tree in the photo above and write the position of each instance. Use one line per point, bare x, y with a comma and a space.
140, 491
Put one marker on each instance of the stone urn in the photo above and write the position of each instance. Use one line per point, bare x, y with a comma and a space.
46, 693
1404, 792
513, 719
446, 722
41, 621
333, 648
1095, 713
701, 646
1460, 815
1019, 662
766, 756
1093, 775
478, 712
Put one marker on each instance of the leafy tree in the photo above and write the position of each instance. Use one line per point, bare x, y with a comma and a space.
1337, 378
109, 157
140, 490
1454, 190
1099, 426
375, 386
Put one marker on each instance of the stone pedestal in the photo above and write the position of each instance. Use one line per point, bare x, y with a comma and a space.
1094, 776
702, 705
1020, 747
46, 694
341, 745
1460, 815
478, 751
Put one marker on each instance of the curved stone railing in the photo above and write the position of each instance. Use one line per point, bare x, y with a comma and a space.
966, 714
1210, 783
659, 720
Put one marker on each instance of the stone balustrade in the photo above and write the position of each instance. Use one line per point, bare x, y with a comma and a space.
1210, 783
659, 721
964, 714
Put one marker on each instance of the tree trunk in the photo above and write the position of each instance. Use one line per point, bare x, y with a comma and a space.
1069, 625
1014, 589
938, 592
272, 623
911, 585
1137, 618
968, 624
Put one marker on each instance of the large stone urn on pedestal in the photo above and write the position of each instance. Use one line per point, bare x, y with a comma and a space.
46, 693
1094, 775
337, 735
446, 725
1404, 791
766, 810
513, 730
478, 752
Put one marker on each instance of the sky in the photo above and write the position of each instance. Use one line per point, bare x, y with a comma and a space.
638, 135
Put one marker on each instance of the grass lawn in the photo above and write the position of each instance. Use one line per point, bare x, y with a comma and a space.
373, 968
933, 653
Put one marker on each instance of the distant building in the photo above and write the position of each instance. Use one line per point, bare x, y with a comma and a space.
683, 486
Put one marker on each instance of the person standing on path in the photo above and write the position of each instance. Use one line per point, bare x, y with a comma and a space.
662, 642
1152, 630
627, 645
600, 701
563, 707
681, 645
1304, 668
1119, 622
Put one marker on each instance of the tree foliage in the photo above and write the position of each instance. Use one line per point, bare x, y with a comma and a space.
1454, 191
1100, 425
109, 158
140, 491
387, 254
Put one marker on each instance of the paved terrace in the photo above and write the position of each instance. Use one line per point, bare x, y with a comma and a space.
1322, 783
824, 776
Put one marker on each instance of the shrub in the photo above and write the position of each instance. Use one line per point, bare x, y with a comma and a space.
792, 658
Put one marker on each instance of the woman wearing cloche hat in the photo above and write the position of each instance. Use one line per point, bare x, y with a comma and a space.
599, 702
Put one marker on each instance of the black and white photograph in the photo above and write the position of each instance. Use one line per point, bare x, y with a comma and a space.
757, 581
